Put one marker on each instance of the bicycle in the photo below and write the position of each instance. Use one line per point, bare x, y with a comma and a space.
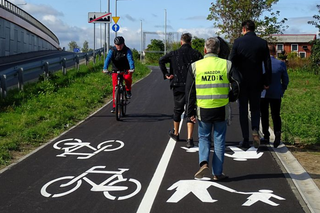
112, 187
121, 100
76, 147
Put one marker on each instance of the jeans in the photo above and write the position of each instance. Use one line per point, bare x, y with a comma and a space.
219, 129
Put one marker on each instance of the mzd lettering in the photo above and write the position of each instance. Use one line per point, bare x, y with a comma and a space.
212, 76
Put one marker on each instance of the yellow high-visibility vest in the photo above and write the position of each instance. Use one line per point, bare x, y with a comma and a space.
211, 81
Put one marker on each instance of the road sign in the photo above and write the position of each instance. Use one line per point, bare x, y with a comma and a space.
115, 27
99, 17
116, 19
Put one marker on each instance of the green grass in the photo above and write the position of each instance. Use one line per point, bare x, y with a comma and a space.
300, 110
47, 108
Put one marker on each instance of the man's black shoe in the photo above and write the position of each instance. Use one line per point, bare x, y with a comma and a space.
264, 141
129, 94
190, 143
173, 136
276, 142
244, 144
113, 110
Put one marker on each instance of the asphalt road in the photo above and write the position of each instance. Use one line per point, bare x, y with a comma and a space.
133, 166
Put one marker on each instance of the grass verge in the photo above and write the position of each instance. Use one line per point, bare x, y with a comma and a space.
300, 110
49, 107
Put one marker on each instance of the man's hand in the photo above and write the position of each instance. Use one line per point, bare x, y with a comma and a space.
193, 119
169, 77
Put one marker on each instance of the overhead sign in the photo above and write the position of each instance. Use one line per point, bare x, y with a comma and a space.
115, 27
99, 17
116, 19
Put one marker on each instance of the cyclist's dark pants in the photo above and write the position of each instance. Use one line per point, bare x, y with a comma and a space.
179, 102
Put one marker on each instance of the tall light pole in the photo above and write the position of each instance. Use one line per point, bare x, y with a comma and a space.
141, 51
107, 45
115, 7
165, 31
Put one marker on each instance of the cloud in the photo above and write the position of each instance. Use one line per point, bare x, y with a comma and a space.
196, 18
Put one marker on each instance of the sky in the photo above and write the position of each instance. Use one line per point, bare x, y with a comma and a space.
68, 19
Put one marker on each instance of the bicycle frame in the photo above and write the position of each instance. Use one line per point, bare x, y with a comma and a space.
120, 96
101, 186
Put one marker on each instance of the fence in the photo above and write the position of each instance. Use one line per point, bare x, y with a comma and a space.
17, 75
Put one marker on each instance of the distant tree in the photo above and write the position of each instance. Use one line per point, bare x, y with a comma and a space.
72, 45
316, 22
155, 51
229, 14
85, 47
315, 51
135, 54
198, 44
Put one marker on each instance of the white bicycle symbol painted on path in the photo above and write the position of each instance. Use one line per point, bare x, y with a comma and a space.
115, 187
72, 146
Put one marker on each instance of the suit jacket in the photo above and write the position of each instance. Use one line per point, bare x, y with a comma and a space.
280, 79
249, 53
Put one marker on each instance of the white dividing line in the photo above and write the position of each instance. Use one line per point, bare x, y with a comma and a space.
150, 195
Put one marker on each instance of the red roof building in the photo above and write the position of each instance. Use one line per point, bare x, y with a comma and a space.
300, 43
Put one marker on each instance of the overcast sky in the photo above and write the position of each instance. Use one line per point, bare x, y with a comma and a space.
68, 19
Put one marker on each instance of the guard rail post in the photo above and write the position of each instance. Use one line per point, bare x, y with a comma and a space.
46, 69
20, 78
3, 86
64, 66
76, 64
87, 59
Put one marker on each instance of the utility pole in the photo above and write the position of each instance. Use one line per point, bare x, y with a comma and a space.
141, 51
165, 31
108, 44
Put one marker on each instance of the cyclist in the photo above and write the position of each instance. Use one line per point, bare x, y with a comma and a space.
121, 58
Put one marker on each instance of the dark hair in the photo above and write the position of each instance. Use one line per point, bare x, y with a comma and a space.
186, 37
118, 40
224, 49
248, 25
272, 49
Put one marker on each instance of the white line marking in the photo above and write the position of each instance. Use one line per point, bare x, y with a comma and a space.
150, 195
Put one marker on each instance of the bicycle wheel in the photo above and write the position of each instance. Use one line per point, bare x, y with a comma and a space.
62, 189
118, 103
124, 102
111, 145
133, 188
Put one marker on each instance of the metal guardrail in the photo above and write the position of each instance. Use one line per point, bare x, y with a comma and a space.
26, 16
37, 68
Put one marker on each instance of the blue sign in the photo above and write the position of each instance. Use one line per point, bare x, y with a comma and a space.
76, 50
115, 27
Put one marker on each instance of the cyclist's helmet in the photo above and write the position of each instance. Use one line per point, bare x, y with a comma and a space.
118, 40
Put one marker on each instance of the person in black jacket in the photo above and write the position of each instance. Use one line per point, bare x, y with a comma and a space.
249, 53
180, 61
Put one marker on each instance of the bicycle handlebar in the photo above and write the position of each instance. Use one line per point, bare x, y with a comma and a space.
117, 71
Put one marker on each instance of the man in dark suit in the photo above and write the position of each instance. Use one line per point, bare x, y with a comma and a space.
249, 53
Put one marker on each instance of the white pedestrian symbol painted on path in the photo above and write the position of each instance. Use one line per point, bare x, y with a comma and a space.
84, 150
200, 190
240, 155
263, 195
193, 149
